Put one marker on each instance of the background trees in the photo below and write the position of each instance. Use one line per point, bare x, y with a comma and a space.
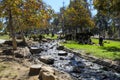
24, 14
77, 18
109, 15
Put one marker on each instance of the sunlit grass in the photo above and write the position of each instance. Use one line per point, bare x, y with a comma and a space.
110, 50
50, 36
4, 37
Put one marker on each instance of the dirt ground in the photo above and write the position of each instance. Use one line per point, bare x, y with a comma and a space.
14, 69
18, 69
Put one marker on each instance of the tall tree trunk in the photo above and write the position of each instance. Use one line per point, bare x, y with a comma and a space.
12, 31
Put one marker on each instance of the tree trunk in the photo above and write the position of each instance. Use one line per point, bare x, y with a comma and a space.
12, 31
14, 43
23, 38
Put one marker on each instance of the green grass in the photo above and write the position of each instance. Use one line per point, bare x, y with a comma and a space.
5, 37
50, 36
110, 50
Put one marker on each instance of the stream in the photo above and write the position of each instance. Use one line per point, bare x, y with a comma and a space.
76, 66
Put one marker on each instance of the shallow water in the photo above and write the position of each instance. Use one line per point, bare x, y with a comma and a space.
78, 67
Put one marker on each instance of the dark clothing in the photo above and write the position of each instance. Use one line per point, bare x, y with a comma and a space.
101, 41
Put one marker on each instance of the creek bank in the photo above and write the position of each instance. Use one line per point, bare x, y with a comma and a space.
108, 64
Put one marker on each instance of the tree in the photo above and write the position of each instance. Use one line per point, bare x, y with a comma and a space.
8, 8
110, 10
77, 16
23, 15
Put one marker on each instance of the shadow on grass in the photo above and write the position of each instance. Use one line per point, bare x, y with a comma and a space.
111, 49
115, 50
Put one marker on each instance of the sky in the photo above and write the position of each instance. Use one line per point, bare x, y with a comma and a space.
57, 4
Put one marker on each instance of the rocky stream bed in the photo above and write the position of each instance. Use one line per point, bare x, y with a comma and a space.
78, 67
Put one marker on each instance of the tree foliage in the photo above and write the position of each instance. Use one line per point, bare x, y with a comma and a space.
110, 11
24, 14
76, 15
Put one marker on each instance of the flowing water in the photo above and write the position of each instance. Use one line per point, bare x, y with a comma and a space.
76, 66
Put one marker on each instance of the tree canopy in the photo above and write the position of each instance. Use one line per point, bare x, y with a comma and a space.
24, 14
77, 15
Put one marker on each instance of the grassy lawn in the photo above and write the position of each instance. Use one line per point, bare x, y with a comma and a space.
5, 37
110, 50
50, 36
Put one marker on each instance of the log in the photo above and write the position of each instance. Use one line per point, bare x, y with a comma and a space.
34, 70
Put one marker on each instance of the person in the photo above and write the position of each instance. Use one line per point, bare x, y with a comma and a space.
101, 41
52, 34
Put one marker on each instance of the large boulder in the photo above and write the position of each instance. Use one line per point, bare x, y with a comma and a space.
35, 50
62, 53
47, 59
48, 76
47, 73
22, 52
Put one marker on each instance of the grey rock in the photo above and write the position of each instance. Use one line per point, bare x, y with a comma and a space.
47, 59
35, 50
60, 47
62, 53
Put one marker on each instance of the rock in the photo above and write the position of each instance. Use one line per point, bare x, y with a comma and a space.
101, 62
34, 70
63, 76
18, 55
35, 50
115, 67
49, 39
47, 73
81, 66
105, 68
1, 45
118, 69
7, 52
48, 76
47, 59
8, 43
104, 76
61, 58
44, 40
60, 47
76, 69
31, 43
22, 52
22, 43
62, 53
52, 47
105, 63
117, 61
